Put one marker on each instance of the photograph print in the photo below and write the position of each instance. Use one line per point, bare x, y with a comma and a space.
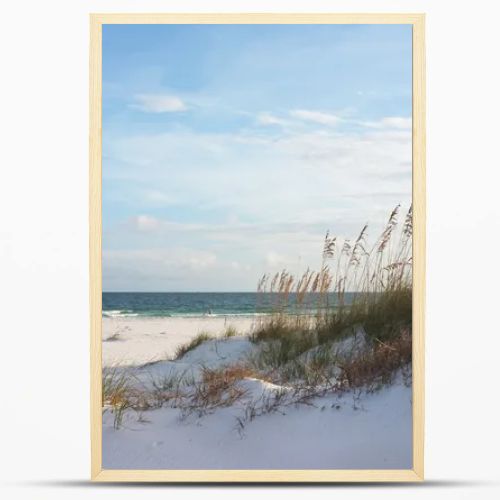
257, 236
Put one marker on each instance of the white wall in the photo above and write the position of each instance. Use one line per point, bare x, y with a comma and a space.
43, 246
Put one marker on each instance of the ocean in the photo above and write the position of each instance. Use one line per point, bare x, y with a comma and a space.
129, 304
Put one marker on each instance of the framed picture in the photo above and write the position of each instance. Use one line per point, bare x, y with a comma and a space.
257, 247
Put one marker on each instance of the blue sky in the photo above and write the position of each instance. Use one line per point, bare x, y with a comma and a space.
229, 150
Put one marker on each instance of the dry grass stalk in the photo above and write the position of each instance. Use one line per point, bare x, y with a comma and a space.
378, 365
356, 285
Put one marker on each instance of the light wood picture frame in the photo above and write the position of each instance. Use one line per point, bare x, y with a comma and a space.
98, 473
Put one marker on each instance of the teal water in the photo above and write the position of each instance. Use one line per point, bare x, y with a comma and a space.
116, 304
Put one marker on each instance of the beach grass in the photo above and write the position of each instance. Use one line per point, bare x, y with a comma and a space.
117, 390
229, 332
202, 337
183, 349
356, 289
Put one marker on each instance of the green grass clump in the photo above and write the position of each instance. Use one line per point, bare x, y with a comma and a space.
357, 288
117, 393
192, 344
230, 332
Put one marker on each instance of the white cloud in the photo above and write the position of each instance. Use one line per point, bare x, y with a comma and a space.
315, 117
202, 261
150, 103
172, 260
146, 223
250, 202
297, 172
275, 260
173, 268
270, 119
157, 197
391, 122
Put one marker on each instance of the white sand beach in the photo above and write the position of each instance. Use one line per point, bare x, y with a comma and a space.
134, 341
345, 430
374, 432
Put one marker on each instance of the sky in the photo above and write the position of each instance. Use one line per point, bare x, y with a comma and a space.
230, 150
